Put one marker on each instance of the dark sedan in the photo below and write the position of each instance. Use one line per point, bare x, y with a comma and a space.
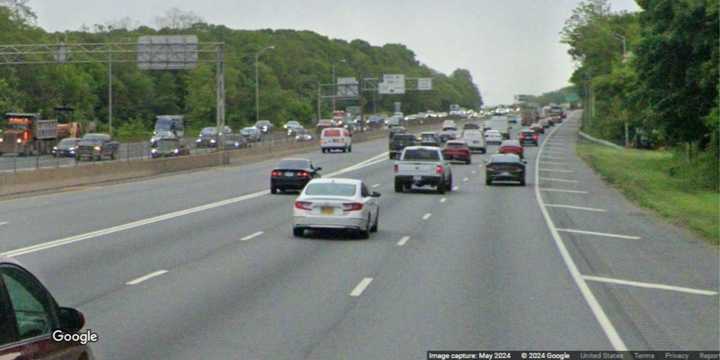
505, 167
292, 174
66, 147
32, 325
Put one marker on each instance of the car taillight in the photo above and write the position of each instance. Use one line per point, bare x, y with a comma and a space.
276, 173
303, 174
352, 206
396, 168
303, 205
439, 170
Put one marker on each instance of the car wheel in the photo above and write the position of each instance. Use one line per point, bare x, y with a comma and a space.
364, 234
468, 161
449, 185
483, 151
441, 188
112, 156
323, 150
298, 232
522, 182
273, 190
374, 228
399, 186
350, 148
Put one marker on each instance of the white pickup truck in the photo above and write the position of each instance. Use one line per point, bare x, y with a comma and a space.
422, 166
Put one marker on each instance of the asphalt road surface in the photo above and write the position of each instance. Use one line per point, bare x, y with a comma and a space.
203, 265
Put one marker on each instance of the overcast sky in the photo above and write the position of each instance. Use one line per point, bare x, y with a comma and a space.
511, 47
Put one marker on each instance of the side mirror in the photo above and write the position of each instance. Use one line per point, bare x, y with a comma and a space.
71, 320
524, 162
375, 194
319, 168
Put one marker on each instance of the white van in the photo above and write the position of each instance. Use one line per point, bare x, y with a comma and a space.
475, 140
335, 139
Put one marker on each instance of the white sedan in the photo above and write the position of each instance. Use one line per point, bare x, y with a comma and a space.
344, 204
493, 137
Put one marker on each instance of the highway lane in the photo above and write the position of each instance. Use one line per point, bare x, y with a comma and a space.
480, 272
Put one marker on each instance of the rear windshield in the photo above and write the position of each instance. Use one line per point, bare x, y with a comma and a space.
332, 133
529, 133
455, 145
422, 155
404, 138
330, 189
294, 164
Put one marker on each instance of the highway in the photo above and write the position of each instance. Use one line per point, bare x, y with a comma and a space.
203, 265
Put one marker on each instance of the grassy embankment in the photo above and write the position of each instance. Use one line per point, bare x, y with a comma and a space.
645, 178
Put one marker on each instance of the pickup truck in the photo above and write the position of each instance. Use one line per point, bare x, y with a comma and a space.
421, 166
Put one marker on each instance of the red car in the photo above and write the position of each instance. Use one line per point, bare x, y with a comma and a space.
32, 325
511, 147
457, 150
529, 137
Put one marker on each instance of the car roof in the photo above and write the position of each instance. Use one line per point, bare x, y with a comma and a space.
421, 148
428, 133
458, 142
505, 157
336, 181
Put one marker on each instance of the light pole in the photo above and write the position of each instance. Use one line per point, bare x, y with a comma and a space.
624, 54
334, 85
257, 82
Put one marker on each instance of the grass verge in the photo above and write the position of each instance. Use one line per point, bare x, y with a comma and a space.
644, 177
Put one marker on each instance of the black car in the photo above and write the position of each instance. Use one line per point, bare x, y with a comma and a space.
235, 141
208, 137
292, 174
397, 130
66, 147
399, 142
471, 126
505, 167
96, 147
430, 139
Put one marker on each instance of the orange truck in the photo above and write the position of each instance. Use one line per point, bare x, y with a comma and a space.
27, 134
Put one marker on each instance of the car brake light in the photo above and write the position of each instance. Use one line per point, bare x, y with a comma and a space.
396, 168
303, 205
439, 170
303, 174
352, 206
276, 173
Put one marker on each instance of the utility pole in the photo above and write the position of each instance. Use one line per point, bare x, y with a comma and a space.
334, 84
110, 92
257, 82
220, 109
319, 99
624, 56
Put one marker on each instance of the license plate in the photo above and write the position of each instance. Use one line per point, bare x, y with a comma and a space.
505, 173
327, 210
289, 173
417, 178
475, 141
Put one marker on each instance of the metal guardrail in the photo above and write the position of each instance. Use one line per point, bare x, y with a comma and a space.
600, 141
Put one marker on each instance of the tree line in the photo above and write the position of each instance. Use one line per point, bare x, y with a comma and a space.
288, 75
655, 70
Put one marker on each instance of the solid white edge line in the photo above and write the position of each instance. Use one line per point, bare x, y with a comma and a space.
597, 310
585, 232
403, 241
557, 170
361, 286
146, 277
426, 216
650, 285
563, 190
252, 236
560, 180
553, 162
575, 207
131, 225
